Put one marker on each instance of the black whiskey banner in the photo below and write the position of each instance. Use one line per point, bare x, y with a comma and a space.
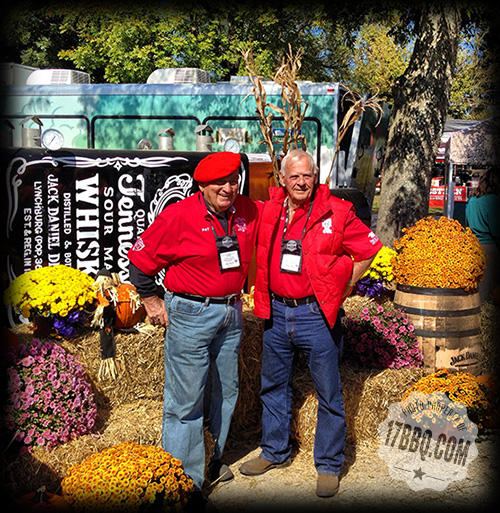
86, 208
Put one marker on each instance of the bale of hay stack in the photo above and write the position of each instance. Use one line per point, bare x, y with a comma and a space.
490, 331
139, 361
138, 421
248, 411
367, 396
130, 407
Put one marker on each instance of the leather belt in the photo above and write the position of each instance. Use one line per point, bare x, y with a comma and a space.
292, 303
229, 300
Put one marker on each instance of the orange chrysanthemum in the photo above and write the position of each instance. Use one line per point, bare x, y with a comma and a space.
126, 477
438, 253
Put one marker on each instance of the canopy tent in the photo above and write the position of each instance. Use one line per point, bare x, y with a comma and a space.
478, 145
450, 126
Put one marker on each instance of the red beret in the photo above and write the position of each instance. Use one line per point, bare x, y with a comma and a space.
217, 165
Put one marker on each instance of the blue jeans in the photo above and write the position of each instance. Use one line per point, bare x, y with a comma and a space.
302, 328
200, 337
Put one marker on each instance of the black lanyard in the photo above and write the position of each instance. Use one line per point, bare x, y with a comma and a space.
287, 216
291, 249
228, 249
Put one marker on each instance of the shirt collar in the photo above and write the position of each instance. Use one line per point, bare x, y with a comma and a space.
221, 215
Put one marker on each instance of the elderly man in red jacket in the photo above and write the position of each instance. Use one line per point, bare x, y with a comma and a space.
311, 250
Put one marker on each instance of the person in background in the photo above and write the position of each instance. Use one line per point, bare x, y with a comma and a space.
311, 250
204, 243
483, 218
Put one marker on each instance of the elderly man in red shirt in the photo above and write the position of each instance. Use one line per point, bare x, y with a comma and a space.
204, 243
311, 250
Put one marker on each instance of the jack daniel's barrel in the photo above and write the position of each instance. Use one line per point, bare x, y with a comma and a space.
447, 325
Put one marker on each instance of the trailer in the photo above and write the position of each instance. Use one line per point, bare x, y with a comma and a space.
132, 116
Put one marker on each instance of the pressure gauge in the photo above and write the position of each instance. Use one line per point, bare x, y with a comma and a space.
144, 144
52, 139
232, 145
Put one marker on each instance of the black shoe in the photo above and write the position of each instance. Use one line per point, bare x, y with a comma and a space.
218, 472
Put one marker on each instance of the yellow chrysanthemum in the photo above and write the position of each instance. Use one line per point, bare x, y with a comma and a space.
53, 290
439, 253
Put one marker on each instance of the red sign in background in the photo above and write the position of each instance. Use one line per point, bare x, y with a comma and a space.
436, 198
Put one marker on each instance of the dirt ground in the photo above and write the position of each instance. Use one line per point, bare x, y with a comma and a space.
365, 484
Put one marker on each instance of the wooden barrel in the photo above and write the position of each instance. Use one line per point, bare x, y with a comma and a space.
447, 325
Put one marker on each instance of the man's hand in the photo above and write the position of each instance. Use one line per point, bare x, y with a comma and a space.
155, 308
359, 268
348, 290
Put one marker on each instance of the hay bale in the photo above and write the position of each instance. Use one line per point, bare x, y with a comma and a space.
367, 396
248, 411
130, 408
139, 360
490, 330
139, 421
367, 393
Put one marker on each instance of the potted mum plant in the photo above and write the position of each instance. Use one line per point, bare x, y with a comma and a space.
54, 298
128, 477
437, 268
48, 400
377, 280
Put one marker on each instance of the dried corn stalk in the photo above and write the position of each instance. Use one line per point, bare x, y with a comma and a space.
359, 105
292, 112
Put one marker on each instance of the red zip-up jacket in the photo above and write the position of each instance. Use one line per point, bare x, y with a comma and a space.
334, 238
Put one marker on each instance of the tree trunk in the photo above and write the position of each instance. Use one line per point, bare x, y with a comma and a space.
421, 99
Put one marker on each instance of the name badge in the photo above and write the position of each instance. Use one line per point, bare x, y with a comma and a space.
291, 256
228, 250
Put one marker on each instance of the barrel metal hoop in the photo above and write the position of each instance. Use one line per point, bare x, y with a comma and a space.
439, 313
447, 333
434, 291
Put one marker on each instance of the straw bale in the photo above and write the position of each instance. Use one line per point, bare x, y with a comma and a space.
490, 330
130, 408
139, 360
367, 396
248, 410
138, 421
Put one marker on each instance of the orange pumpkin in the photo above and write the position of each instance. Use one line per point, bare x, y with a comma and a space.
125, 317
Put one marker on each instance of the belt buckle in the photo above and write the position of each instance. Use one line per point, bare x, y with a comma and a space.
293, 302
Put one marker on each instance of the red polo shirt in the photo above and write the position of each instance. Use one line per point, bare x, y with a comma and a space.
181, 241
288, 284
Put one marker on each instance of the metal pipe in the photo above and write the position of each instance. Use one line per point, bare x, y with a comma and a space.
277, 118
132, 116
57, 116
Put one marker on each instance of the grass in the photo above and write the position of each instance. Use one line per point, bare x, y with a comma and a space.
433, 211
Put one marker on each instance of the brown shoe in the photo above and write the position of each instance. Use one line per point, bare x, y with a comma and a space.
327, 485
258, 466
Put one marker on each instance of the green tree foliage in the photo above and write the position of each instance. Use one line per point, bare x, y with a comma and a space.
470, 96
126, 42
31, 35
377, 60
